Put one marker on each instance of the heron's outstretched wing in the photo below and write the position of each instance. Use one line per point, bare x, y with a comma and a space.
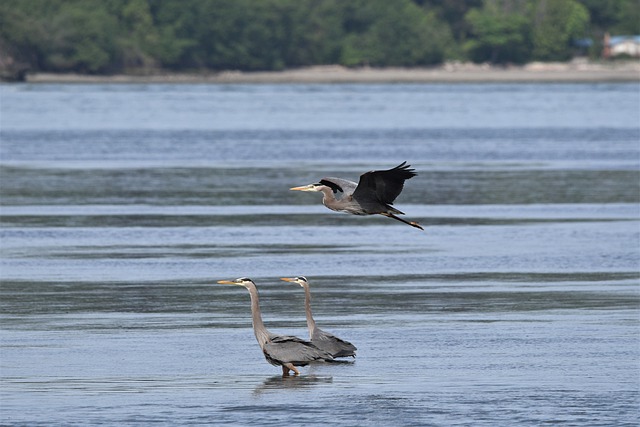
289, 349
383, 186
333, 345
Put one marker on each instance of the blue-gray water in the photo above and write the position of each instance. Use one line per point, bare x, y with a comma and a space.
122, 205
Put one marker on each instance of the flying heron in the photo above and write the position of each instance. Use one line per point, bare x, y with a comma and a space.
321, 339
279, 350
373, 194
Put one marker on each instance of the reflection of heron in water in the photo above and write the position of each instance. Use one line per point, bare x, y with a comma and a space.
321, 339
279, 350
373, 194
291, 382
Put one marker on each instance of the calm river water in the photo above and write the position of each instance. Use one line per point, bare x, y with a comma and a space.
122, 205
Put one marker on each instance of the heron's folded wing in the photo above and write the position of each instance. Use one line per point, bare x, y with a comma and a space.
293, 349
330, 337
332, 344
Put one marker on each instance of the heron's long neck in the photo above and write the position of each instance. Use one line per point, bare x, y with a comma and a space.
311, 324
328, 198
262, 335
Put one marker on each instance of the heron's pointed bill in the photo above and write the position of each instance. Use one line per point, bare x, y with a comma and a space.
227, 282
293, 280
309, 187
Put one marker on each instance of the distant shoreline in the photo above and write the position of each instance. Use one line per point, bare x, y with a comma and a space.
577, 72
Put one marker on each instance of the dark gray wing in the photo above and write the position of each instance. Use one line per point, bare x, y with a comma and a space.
333, 345
289, 349
383, 186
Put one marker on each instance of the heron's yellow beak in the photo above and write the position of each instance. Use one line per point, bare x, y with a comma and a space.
310, 187
227, 282
288, 279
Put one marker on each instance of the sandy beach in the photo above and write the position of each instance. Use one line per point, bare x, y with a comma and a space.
575, 71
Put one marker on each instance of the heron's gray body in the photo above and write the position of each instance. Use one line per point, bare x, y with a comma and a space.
282, 349
346, 201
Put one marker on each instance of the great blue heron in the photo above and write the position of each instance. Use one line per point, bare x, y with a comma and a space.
279, 350
373, 194
321, 339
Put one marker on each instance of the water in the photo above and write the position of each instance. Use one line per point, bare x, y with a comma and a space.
122, 205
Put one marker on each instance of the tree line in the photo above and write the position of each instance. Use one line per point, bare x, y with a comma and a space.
138, 36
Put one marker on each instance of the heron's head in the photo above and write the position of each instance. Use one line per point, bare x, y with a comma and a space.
240, 281
310, 187
300, 280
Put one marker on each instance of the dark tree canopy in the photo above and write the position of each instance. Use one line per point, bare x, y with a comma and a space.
140, 36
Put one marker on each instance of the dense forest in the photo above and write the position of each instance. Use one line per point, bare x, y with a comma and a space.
141, 36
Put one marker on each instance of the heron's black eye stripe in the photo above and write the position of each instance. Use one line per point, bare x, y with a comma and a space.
335, 187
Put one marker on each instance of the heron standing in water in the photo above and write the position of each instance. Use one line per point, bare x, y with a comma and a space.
321, 339
373, 194
279, 350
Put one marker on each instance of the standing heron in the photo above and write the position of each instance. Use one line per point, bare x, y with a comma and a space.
373, 194
321, 339
279, 350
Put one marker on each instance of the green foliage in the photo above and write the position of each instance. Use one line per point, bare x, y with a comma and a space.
627, 18
83, 38
393, 34
139, 38
314, 33
557, 24
58, 35
499, 34
21, 33
107, 36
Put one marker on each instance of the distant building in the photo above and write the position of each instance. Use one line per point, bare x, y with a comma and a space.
621, 45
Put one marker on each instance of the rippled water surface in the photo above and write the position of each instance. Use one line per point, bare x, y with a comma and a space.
122, 205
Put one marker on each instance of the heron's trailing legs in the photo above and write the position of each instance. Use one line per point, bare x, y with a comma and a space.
286, 367
411, 223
